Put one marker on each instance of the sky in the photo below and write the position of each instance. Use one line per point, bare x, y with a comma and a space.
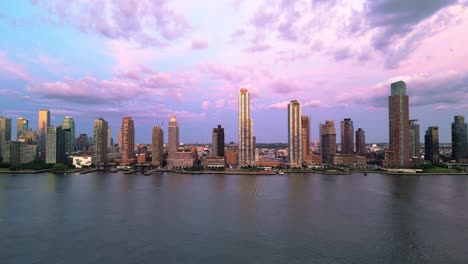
150, 59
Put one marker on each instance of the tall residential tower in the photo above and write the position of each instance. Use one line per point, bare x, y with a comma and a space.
347, 136
218, 141
459, 139
100, 141
246, 146
294, 134
127, 151
398, 106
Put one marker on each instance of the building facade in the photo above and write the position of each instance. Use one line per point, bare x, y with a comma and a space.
69, 123
127, 151
347, 136
173, 143
431, 144
22, 126
414, 141
246, 148
294, 134
43, 124
305, 142
100, 141
459, 139
398, 105
55, 145
218, 141
5, 134
157, 146
327, 141
361, 142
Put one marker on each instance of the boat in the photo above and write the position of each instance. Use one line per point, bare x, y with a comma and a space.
114, 170
365, 174
147, 173
129, 172
280, 172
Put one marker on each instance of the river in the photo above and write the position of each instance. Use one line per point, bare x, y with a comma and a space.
175, 218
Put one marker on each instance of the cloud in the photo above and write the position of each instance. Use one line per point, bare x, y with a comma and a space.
14, 94
12, 68
428, 88
284, 87
138, 83
257, 48
279, 106
198, 44
312, 104
148, 22
441, 107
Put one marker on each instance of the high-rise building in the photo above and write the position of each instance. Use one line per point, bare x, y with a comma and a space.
69, 123
327, 141
360, 142
109, 137
22, 126
294, 134
119, 139
173, 144
157, 146
100, 141
246, 147
398, 106
218, 141
305, 126
414, 142
43, 124
55, 145
431, 144
82, 142
459, 139
31, 136
5, 134
347, 136
127, 152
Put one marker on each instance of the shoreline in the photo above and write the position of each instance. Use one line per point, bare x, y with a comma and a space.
266, 173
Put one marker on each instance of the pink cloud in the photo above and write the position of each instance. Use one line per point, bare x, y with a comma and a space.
198, 44
285, 86
147, 22
12, 68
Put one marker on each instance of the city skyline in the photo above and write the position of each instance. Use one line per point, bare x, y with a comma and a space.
134, 65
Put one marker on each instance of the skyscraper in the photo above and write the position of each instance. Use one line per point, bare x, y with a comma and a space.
100, 141
398, 106
305, 126
173, 144
414, 140
22, 126
55, 145
82, 142
5, 133
157, 146
360, 142
69, 123
294, 134
127, 151
431, 144
327, 141
218, 141
347, 136
43, 124
459, 139
246, 146
109, 137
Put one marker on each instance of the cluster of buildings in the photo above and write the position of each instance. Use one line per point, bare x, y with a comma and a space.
58, 144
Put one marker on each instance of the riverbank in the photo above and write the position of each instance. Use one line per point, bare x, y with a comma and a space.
24, 171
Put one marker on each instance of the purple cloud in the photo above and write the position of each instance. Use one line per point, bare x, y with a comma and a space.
198, 44
285, 87
148, 22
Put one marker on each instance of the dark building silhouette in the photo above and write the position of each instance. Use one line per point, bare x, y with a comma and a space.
360, 142
459, 139
398, 106
305, 126
218, 141
347, 136
414, 141
82, 142
327, 141
431, 144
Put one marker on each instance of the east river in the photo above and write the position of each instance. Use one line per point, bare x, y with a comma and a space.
174, 218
